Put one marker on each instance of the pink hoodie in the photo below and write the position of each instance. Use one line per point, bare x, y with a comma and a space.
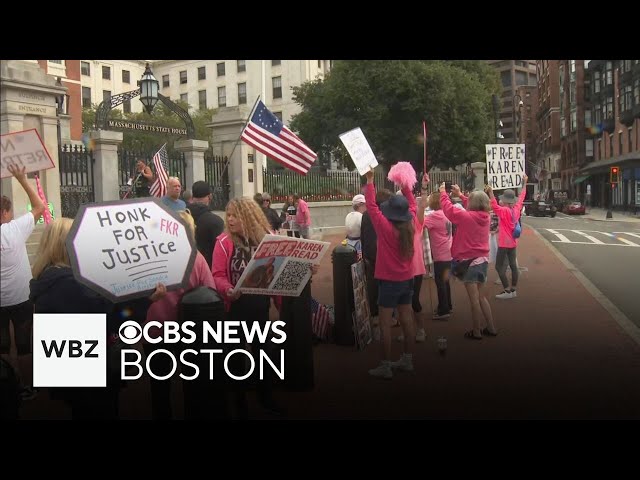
390, 263
506, 217
439, 235
472, 235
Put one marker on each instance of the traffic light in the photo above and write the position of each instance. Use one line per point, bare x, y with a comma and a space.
614, 176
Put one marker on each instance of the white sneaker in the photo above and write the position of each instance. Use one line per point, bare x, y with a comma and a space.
504, 295
421, 336
405, 363
514, 294
382, 371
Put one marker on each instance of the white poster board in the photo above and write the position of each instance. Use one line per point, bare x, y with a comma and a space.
281, 266
122, 249
24, 149
505, 165
359, 149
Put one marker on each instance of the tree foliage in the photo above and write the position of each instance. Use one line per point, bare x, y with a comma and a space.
389, 100
162, 116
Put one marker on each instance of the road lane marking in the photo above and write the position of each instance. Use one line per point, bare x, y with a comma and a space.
620, 318
624, 240
562, 238
589, 237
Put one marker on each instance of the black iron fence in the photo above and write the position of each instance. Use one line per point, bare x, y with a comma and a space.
216, 174
127, 167
76, 178
319, 185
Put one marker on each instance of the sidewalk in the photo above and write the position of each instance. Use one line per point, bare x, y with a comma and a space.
558, 355
595, 213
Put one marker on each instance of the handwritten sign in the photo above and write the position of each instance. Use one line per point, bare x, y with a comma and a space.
24, 149
359, 149
122, 249
281, 266
505, 165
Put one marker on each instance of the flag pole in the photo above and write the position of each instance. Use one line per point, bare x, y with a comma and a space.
226, 165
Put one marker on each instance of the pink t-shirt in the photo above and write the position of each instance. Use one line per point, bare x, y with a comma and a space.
439, 228
303, 216
507, 219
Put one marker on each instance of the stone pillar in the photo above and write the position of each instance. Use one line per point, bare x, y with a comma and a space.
28, 101
194, 156
478, 171
105, 169
227, 125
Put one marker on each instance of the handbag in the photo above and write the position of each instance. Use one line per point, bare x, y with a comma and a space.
459, 267
517, 228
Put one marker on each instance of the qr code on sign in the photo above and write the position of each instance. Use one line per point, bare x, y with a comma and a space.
292, 276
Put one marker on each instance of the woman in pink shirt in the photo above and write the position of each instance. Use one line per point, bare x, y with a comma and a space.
394, 224
470, 253
508, 213
303, 216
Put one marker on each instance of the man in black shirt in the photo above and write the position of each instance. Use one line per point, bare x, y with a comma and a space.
208, 224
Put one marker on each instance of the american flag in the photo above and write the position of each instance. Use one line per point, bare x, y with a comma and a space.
161, 164
320, 319
267, 134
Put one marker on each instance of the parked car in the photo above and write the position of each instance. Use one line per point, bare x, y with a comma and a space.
540, 208
573, 207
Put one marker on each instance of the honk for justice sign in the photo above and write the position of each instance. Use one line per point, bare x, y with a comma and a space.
505, 165
123, 249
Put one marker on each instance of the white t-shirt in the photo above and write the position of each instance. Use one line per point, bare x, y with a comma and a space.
15, 271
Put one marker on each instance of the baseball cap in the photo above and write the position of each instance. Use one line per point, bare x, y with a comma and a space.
358, 199
200, 189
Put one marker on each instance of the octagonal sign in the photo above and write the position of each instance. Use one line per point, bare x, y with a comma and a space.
122, 249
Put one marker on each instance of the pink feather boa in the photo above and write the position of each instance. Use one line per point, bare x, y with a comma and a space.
403, 174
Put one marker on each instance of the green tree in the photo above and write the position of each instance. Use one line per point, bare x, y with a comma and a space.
389, 100
146, 142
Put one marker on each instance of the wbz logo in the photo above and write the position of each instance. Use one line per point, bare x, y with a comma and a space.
69, 350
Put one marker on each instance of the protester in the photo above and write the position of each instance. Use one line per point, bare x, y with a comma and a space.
393, 222
353, 223
272, 216
187, 196
143, 180
208, 225
303, 216
508, 213
359, 203
15, 274
172, 198
470, 251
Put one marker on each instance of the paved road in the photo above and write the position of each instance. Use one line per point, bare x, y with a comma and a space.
607, 253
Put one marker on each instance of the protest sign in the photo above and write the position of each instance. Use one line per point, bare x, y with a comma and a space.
361, 312
24, 149
359, 150
281, 266
505, 165
122, 249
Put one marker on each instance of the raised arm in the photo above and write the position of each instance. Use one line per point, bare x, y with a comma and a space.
523, 193
37, 206
455, 189
424, 199
453, 214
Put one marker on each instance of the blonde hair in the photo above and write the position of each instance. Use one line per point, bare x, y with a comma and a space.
52, 250
191, 224
254, 223
479, 201
434, 201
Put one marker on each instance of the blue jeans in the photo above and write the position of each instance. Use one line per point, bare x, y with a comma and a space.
391, 294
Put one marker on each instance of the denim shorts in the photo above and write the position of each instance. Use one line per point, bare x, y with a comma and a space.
391, 294
476, 274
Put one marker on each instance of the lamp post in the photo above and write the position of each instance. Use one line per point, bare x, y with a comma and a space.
149, 87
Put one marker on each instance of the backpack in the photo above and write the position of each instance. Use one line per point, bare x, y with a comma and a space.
517, 228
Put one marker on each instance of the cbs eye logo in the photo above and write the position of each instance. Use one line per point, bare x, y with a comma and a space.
130, 332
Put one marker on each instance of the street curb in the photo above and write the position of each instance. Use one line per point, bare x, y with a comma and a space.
621, 319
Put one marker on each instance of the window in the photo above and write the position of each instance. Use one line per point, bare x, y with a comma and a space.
202, 73
184, 97
609, 108
220, 69
588, 147
630, 141
165, 81
275, 62
563, 127
598, 114
222, 96
86, 97
587, 118
506, 78
522, 78
106, 73
183, 77
596, 82
85, 68
572, 94
126, 106
202, 99
276, 82
611, 144
279, 115
572, 66
242, 93
609, 73
574, 120
620, 143
626, 98
126, 76
242, 66
106, 95
636, 91
59, 62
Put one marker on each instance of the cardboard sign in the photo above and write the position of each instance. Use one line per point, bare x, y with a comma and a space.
281, 266
505, 165
361, 312
24, 149
122, 249
359, 150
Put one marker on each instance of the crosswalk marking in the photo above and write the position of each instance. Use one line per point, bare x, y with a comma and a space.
562, 238
589, 237
623, 242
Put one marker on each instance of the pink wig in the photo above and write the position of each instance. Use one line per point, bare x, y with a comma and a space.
403, 174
